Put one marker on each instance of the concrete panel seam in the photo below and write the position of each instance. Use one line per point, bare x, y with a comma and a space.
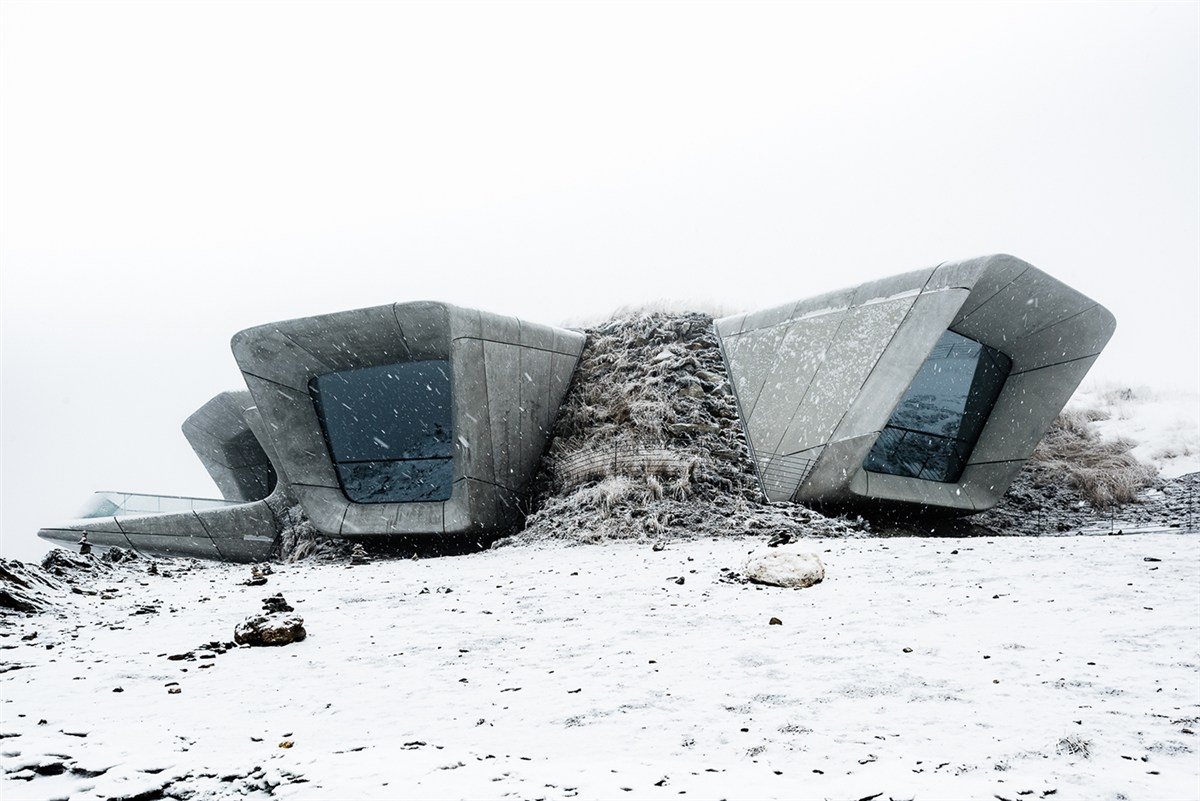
791, 324
837, 336
315, 486
1056, 364
400, 328
270, 380
515, 345
211, 539
992, 296
124, 533
995, 461
1059, 321
483, 481
882, 353
737, 400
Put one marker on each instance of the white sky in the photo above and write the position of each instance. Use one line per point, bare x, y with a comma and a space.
173, 172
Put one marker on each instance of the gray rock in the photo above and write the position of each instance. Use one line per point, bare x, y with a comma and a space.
270, 629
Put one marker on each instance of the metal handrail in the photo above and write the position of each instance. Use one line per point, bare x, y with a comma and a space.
118, 504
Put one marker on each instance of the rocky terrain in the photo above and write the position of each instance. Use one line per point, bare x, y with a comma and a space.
648, 445
1002, 655
920, 667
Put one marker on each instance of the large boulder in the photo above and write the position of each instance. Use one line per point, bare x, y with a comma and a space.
270, 629
784, 567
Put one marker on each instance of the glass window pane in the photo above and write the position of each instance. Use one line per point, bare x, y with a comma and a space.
938, 421
397, 481
390, 431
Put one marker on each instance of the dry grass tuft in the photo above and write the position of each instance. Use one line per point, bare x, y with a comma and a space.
1104, 471
1074, 745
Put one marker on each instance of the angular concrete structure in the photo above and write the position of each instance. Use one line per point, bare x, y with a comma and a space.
332, 393
412, 418
220, 435
930, 388
177, 526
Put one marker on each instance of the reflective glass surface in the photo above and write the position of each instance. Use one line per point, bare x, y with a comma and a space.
389, 430
939, 419
118, 504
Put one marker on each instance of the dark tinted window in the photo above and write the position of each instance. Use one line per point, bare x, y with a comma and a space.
389, 430
939, 419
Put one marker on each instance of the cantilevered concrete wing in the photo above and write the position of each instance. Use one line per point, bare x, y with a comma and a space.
931, 388
221, 436
412, 418
158, 525
240, 528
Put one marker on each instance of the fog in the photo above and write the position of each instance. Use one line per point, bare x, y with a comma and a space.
172, 173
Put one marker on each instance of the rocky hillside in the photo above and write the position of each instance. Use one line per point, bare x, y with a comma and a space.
648, 444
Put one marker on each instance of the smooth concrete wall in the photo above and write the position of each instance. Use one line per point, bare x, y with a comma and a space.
817, 380
238, 533
229, 450
508, 378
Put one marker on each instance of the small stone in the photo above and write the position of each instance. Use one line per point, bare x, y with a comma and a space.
276, 603
775, 622
175, 690
907, 650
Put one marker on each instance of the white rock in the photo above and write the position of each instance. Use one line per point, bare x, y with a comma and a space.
784, 567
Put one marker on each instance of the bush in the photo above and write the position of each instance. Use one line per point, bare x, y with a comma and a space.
1105, 471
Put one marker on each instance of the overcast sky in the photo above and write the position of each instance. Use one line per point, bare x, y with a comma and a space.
173, 172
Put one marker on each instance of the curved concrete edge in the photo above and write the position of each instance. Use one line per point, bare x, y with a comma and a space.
508, 379
816, 381
229, 449
243, 533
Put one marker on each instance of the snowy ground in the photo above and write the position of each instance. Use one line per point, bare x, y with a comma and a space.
1063, 668
1164, 423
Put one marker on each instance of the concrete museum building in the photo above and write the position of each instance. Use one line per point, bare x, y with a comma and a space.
928, 389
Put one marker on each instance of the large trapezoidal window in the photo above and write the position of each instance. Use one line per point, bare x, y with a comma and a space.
389, 430
934, 429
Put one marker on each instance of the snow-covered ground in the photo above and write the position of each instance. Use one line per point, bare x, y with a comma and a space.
1064, 668
1165, 424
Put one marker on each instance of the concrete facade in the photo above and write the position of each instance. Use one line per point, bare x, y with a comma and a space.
468, 398
508, 377
235, 533
817, 380
229, 450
